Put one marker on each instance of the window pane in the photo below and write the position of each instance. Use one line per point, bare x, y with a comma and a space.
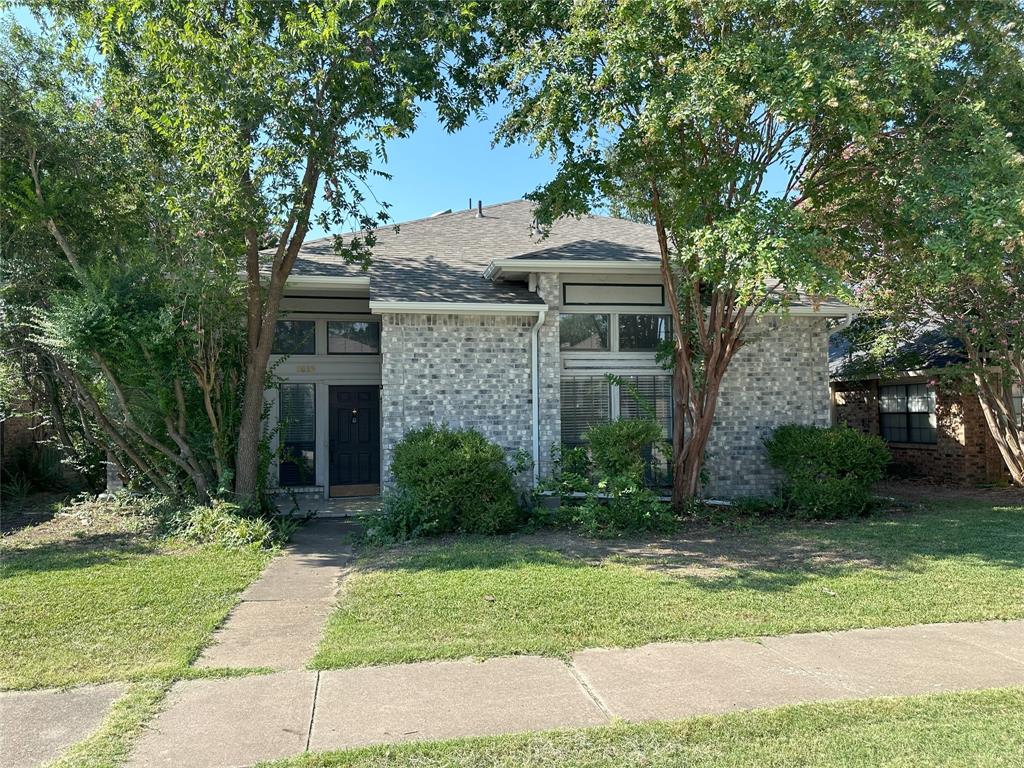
642, 333
922, 428
584, 402
584, 332
295, 337
894, 427
920, 398
892, 399
1018, 403
298, 434
656, 393
346, 337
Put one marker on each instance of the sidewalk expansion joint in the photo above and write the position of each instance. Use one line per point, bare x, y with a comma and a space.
312, 711
582, 681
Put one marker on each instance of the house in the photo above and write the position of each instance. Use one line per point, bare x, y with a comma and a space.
471, 318
933, 430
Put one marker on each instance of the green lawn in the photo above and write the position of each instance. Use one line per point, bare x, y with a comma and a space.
105, 609
491, 597
979, 729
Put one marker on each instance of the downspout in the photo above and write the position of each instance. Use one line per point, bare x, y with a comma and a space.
535, 391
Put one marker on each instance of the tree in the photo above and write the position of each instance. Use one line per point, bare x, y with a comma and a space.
115, 308
947, 215
726, 124
266, 103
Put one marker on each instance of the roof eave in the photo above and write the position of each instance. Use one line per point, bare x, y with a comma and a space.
454, 308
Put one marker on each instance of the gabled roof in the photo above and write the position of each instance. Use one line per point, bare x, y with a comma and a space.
928, 348
464, 258
443, 258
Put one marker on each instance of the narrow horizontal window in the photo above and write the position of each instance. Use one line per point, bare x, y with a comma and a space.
353, 337
643, 333
583, 332
297, 427
295, 337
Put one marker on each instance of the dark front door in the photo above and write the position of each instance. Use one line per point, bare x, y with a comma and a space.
355, 441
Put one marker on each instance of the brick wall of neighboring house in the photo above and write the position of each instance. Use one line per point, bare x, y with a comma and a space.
780, 376
18, 433
462, 370
964, 452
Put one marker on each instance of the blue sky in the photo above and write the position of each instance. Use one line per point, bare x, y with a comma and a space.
433, 170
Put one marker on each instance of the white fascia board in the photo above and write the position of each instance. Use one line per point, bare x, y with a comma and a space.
454, 308
823, 311
327, 281
499, 267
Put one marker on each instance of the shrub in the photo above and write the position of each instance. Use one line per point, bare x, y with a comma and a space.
829, 472
611, 471
450, 480
223, 524
619, 506
623, 448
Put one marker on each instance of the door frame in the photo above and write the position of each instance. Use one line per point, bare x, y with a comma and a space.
333, 491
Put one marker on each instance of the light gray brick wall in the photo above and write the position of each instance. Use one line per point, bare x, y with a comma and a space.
779, 377
460, 370
550, 290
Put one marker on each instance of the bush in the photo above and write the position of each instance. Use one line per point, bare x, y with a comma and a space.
611, 472
450, 480
829, 472
223, 524
623, 448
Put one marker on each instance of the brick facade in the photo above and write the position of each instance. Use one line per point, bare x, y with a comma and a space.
964, 452
461, 370
474, 371
780, 376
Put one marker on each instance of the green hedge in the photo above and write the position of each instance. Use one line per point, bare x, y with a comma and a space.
829, 472
450, 480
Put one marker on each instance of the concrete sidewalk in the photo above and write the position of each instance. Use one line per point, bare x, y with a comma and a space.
37, 726
279, 618
240, 721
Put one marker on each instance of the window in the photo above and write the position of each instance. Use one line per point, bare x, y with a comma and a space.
655, 392
297, 434
583, 332
353, 337
907, 413
295, 337
643, 333
1018, 404
585, 401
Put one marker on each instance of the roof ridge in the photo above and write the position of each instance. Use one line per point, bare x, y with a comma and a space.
421, 218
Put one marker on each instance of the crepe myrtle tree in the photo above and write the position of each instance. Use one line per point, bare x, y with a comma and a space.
271, 106
947, 214
722, 123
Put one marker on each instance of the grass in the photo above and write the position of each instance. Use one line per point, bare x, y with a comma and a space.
980, 729
112, 742
103, 603
491, 597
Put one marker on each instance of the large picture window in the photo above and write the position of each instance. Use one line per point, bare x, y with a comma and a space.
297, 434
643, 333
295, 337
582, 332
655, 392
585, 401
353, 337
907, 413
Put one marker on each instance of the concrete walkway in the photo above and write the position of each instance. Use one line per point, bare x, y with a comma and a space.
36, 726
279, 618
238, 721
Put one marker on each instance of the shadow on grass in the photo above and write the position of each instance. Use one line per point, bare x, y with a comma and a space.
73, 554
767, 557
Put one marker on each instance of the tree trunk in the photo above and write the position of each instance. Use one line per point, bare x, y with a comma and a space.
997, 405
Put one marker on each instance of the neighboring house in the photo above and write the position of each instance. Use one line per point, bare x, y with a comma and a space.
933, 431
472, 319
